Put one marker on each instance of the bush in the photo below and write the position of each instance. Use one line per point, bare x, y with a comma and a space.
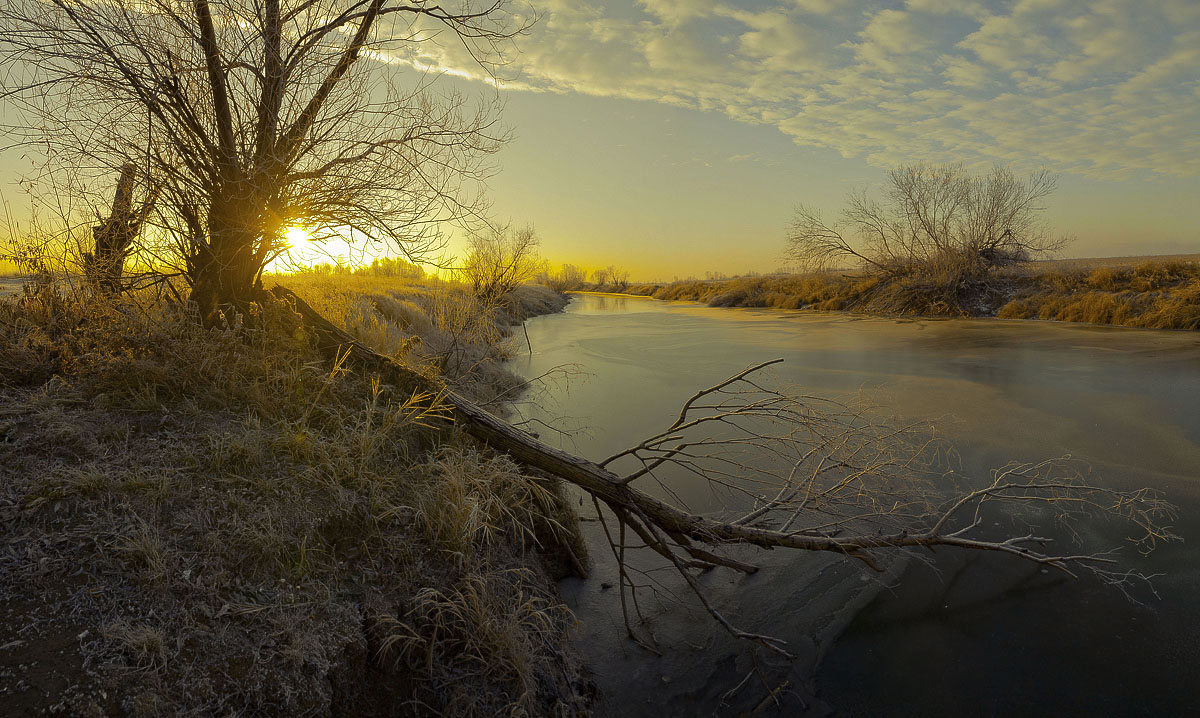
569, 278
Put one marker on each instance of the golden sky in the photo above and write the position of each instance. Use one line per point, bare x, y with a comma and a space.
675, 137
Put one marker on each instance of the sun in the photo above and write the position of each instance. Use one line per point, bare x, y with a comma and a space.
301, 246
296, 236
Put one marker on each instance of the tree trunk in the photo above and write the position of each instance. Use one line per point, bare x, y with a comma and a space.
106, 264
225, 276
598, 481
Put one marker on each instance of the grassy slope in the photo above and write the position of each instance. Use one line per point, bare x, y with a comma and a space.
215, 522
1161, 294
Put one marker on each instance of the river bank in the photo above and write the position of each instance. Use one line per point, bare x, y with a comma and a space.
214, 522
1156, 294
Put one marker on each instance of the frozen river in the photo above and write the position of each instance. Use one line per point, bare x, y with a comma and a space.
973, 635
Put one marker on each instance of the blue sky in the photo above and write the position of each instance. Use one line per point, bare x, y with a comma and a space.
676, 136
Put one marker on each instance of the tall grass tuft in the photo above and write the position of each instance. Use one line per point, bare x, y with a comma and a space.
1149, 294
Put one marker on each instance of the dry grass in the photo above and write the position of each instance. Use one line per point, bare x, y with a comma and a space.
1128, 262
441, 327
261, 533
1153, 294
825, 291
799, 291
1160, 293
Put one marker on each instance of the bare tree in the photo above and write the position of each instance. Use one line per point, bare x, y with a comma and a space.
573, 276
930, 216
601, 276
499, 260
250, 115
617, 276
568, 278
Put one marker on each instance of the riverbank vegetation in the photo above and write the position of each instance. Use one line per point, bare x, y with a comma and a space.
1140, 292
222, 521
1162, 294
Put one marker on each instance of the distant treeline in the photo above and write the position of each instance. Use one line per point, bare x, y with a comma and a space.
571, 278
381, 267
939, 240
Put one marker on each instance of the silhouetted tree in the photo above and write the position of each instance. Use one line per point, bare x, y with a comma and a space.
619, 277
573, 276
250, 115
113, 238
568, 278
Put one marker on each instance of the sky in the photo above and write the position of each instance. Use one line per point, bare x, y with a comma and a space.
676, 137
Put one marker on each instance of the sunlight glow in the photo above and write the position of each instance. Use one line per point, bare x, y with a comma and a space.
296, 236
303, 247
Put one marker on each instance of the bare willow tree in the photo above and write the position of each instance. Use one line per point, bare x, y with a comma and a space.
247, 116
612, 275
568, 278
932, 217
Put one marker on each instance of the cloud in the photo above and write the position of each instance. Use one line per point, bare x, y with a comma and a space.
816, 7
678, 11
780, 43
970, 8
1104, 88
896, 42
961, 72
749, 157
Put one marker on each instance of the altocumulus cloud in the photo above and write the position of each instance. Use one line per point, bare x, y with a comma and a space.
1105, 88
